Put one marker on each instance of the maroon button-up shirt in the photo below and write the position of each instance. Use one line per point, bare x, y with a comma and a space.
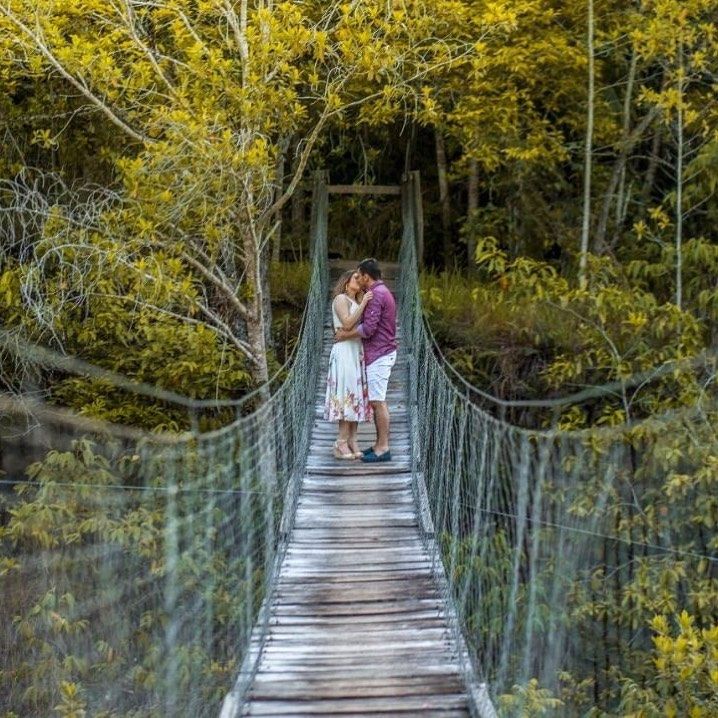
378, 325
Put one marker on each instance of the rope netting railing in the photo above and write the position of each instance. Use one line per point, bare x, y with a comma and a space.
558, 549
134, 565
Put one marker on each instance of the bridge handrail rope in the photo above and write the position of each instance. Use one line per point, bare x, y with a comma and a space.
157, 550
527, 521
13, 343
702, 360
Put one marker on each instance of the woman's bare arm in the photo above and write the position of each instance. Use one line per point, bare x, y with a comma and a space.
348, 320
342, 335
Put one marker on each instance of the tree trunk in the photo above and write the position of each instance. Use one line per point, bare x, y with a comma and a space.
616, 183
472, 205
266, 298
627, 100
583, 258
443, 175
298, 228
418, 217
652, 169
679, 182
409, 151
618, 178
258, 321
279, 189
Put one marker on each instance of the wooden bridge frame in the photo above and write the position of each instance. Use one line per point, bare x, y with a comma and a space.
480, 703
408, 190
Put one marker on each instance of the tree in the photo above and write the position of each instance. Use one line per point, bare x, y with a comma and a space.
679, 38
588, 148
204, 96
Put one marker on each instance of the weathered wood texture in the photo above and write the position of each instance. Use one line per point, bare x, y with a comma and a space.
357, 624
364, 189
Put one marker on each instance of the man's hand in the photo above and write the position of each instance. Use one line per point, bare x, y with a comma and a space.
341, 335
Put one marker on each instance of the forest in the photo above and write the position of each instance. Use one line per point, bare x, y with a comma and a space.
156, 185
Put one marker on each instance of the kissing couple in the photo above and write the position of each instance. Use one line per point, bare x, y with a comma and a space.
364, 352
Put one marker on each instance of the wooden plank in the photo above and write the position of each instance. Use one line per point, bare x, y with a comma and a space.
409, 617
356, 561
341, 517
375, 608
327, 495
323, 487
364, 558
357, 468
338, 504
366, 672
364, 189
412, 659
357, 688
399, 439
353, 562
354, 630
436, 705
350, 642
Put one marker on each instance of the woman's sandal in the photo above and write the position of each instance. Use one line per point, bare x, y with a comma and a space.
357, 454
338, 454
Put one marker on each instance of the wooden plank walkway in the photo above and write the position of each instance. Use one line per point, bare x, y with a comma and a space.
357, 623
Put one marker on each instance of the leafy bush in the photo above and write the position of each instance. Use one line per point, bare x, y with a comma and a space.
289, 283
98, 560
522, 331
684, 681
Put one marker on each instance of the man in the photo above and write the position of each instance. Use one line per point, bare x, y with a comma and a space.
378, 332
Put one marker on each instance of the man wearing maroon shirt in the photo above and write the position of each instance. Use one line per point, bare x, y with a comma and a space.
378, 333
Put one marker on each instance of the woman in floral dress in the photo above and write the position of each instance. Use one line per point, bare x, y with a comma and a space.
347, 397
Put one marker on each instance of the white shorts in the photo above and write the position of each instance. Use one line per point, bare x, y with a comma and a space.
377, 375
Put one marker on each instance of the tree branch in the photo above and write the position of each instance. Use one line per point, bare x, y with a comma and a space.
219, 283
47, 53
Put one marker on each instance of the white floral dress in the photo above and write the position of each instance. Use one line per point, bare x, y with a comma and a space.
347, 397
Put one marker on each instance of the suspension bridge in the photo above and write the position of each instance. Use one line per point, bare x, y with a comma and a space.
243, 571
357, 622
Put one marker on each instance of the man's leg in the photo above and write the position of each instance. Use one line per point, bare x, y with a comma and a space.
378, 374
381, 421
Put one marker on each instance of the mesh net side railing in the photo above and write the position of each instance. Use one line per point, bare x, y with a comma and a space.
134, 565
558, 548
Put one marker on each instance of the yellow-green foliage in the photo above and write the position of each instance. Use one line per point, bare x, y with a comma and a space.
289, 283
685, 677
558, 338
90, 616
529, 700
146, 340
525, 331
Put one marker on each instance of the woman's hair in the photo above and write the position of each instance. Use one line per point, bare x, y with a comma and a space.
341, 285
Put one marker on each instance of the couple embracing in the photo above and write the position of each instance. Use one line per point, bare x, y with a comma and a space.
364, 352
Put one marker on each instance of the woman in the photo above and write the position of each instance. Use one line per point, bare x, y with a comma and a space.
347, 398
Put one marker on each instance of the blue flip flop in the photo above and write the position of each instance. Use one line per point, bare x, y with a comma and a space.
372, 458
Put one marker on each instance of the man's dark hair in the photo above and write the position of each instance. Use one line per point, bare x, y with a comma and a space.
370, 267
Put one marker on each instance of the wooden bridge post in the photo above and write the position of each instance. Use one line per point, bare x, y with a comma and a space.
320, 209
411, 193
418, 216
